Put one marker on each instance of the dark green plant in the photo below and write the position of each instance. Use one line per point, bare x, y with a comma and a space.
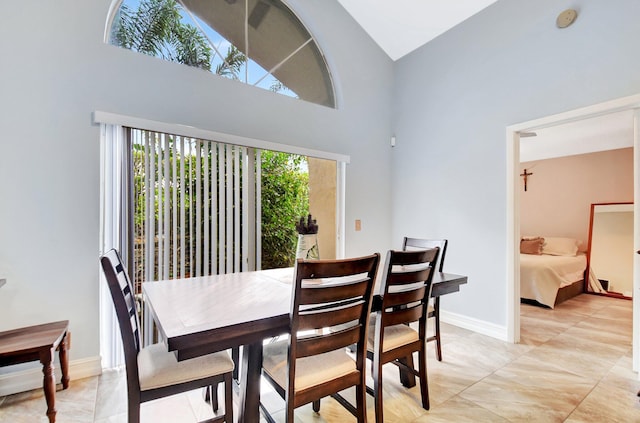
156, 29
285, 197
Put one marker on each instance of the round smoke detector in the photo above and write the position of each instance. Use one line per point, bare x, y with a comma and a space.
566, 18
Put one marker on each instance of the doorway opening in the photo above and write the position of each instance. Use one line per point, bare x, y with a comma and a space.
514, 133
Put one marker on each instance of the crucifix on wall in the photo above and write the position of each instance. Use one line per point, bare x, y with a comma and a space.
524, 175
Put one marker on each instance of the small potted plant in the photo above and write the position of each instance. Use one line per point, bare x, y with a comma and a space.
307, 238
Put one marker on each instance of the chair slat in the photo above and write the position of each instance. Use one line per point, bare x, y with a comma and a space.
408, 277
329, 342
318, 269
396, 299
401, 316
324, 318
328, 291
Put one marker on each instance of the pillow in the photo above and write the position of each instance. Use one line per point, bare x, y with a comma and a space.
531, 245
560, 246
530, 237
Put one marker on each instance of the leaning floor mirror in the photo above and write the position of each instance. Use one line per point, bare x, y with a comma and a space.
610, 252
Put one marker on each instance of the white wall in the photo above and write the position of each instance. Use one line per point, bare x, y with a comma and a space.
561, 190
455, 97
56, 70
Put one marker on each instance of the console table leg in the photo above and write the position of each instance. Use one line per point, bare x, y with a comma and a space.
64, 361
46, 358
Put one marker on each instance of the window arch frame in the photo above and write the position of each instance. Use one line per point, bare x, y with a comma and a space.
329, 83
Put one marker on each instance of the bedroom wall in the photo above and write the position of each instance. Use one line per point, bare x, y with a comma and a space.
454, 99
561, 190
57, 70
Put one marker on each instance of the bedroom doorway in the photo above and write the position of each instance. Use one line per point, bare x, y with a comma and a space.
514, 134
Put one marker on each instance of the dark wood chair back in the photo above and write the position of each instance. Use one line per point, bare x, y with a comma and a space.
207, 371
330, 308
406, 290
419, 243
124, 302
413, 243
331, 293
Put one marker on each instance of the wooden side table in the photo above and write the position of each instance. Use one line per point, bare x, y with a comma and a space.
39, 343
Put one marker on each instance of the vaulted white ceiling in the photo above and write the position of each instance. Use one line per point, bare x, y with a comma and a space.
401, 26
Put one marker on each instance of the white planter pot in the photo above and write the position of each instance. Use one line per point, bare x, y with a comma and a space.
308, 247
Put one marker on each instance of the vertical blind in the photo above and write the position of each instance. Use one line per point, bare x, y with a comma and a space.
194, 207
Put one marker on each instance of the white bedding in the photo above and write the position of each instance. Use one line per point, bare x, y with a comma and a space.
542, 275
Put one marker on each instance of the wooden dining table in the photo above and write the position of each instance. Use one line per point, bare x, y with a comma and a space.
201, 315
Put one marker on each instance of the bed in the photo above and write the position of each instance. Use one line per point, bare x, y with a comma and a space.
551, 275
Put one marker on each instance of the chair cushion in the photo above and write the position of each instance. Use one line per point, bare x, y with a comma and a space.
158, 367
310, 371
394, 336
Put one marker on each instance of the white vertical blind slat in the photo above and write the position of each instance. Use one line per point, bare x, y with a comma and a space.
191, 211
214, 208
159, 208
247, 207
229, 203
174, 209
258, 219
237, 151
198, 205
206, 202
183, 221
167, 211
150, 230
222, 153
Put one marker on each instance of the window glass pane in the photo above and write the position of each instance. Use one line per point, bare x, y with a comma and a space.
282, 55
306, 77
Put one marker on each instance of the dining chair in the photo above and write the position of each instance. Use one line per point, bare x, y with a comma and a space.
313, 362
434, 303
152, 371
405, 290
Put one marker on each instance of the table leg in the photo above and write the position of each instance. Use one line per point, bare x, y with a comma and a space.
250, 383
407, 379
46, 358
64, 361
235, 356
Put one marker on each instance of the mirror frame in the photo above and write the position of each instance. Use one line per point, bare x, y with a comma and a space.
587, 270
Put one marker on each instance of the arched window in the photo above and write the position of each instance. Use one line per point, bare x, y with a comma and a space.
258, 42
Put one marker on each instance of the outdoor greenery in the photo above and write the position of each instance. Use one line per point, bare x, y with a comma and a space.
156, 29
285, 197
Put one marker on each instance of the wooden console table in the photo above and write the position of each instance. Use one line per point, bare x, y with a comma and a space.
39, 343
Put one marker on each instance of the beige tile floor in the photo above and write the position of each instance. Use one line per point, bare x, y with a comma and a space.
573, 365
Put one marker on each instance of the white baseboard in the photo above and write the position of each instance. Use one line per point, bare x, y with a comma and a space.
26, 380
475, 325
